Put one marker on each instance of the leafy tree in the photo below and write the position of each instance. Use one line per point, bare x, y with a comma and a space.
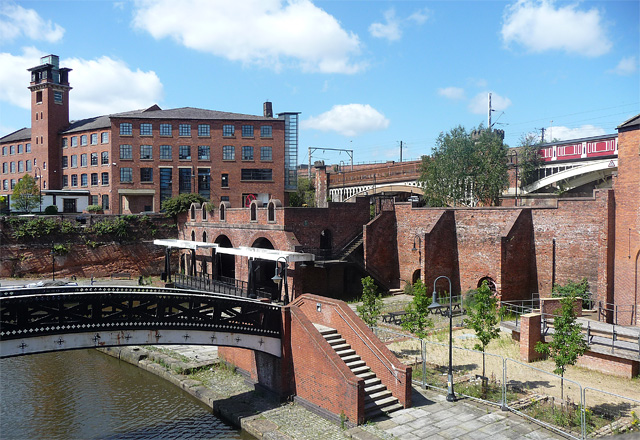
416, 320
466, 168
572, 288
371, 302
305, 195
181, 203
26, 195
529, 159
483, 318
568, 342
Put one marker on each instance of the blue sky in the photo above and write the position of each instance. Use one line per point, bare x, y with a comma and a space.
365, 75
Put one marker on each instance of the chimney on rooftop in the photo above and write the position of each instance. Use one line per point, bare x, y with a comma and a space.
268, 109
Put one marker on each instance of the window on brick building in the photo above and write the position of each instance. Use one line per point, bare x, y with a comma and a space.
5, 184
12, 167
5, 168
104, 138
20, 166
126, 174
146, 129
256, 174
105, 202
247, 153
94, 138
247, 131
12, 149
74, 161
184, 180
266, 153
74, 141
28, 165
94, 159
204, 130
13, 183
19, 148
94, 179
225, 181
146, 152
126, 152
165, 151
27, 148
184, 130
126, 129
105, 178
266, 131
65, 181
228, 130
83, 160
165, 129
74, 180
146, 174
4, 151
228, 152
83, 140
94, 199
104, 158
65, 161
83, 180
184, 152
204, 152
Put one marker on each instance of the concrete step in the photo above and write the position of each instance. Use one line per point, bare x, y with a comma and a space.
350, 358
367, 375
359, 370
380, 403
336, 341
374, 389
377, 412
346, 353
371, 382
384, 394
355, 364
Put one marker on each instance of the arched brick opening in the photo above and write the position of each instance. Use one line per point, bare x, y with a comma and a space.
254, 212
490, 282
226, 264
265, 269
193, 235
416, 276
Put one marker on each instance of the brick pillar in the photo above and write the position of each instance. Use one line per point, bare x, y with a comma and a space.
530, 334
322, 184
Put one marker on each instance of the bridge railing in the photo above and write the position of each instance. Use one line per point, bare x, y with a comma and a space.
224, 285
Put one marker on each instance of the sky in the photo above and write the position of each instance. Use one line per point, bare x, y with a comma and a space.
367, 76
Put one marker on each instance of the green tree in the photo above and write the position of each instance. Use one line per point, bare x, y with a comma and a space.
568, 343
465, 169
305, 195
416, 320
371, 302
26, 195
529, 159
483, 317
572, 288
181, 203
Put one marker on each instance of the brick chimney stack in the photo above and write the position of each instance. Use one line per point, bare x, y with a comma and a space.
268, 109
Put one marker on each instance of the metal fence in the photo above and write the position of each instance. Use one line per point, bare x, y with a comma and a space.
228, 286
558, 403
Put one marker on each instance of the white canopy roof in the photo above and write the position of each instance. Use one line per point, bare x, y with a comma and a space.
243, 251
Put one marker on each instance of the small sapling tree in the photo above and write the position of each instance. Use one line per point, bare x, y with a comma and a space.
26, 195
483, 318
568, 343
416, 320
371, 302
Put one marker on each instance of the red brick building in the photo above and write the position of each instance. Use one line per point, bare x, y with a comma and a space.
130, 162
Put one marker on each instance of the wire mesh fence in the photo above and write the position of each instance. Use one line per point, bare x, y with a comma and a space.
608, 414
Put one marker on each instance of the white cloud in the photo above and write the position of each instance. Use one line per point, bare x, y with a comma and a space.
18, 22
389, 30
539, 25
452, 92
348, 120
479, 104
267, 33
565, 133
420, 16
626, 66
101, 86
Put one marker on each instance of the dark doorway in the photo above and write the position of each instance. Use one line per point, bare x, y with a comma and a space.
226, 264
264, 270
69, 205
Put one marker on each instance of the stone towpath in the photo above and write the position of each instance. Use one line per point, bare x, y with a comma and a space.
431, 417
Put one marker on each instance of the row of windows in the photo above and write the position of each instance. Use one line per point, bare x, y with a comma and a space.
22, 166
96, 180
12, 149
184, 130
104, 160
184, 152
104, 139
146, 175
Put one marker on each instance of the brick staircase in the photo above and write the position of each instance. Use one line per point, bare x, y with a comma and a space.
378, 400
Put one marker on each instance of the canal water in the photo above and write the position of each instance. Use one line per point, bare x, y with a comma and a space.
84, 394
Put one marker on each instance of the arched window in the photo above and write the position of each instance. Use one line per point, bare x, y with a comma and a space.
271, 212
193, 235
193, 212
490, 283
254, 211
416, 276
204, 236
204, 212
222, 211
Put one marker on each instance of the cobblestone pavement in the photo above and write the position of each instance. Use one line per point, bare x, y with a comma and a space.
431, 417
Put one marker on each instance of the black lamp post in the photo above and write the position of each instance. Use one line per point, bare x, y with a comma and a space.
280, 276
451, 397
419, 248
39, 177
53, 264
515, 154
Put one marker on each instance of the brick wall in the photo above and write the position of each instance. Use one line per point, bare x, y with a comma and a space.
380, 249
627, 230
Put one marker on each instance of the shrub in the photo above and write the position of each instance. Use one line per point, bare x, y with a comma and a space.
51, 210
94, 208
116, 226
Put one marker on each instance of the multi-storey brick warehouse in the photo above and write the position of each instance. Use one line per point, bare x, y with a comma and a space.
132, 161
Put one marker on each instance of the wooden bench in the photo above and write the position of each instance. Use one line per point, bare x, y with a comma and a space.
121, 275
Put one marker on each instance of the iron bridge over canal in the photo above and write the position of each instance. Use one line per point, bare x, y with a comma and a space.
49, 319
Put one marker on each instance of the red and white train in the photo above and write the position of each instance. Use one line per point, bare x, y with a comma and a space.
586, 148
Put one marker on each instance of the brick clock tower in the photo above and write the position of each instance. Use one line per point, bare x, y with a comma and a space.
49, 115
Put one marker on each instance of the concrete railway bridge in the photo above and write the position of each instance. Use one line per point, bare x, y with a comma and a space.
293, 350
402, 178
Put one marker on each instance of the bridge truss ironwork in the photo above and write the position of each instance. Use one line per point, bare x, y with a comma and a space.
59, 318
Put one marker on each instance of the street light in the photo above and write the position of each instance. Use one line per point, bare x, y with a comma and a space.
451, 397
278, 277
53, 264
515, 153
419, 248
39, 177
